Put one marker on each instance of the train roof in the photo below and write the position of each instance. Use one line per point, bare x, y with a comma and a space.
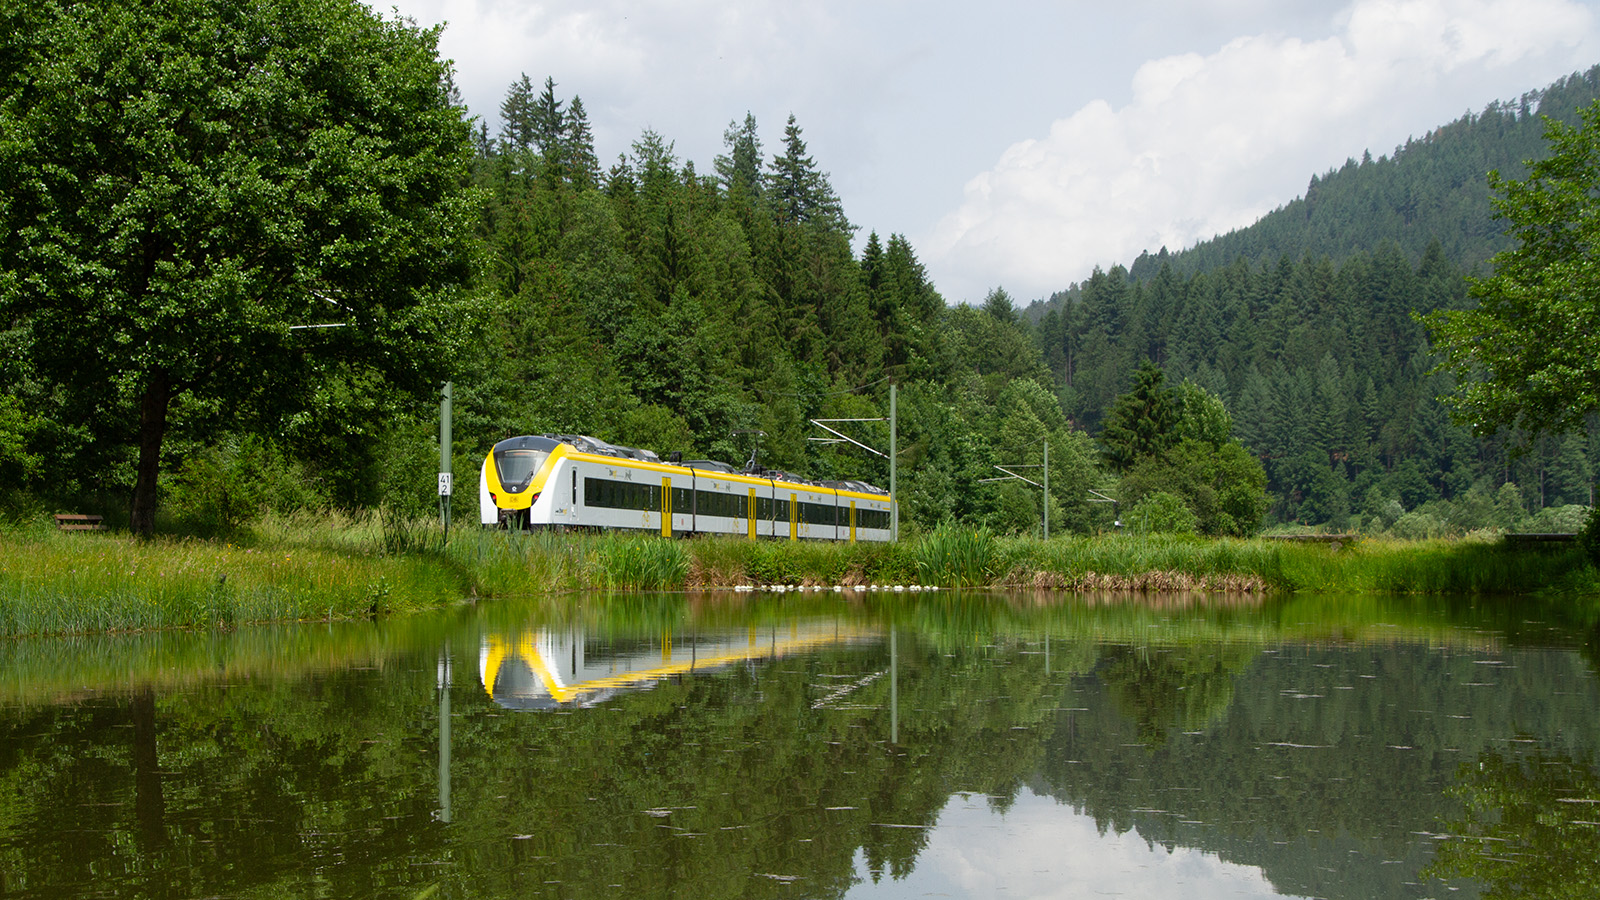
585, 444
709, 464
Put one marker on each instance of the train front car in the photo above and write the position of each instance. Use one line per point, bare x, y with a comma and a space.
513, 478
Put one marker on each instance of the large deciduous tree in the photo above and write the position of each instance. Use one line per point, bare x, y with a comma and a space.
1529, 355
183, 182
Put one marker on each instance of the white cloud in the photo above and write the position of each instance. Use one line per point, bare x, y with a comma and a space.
1042, 849
685, 68
1210, 143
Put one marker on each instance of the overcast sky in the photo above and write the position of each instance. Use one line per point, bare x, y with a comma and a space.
1043, 849
1021, 144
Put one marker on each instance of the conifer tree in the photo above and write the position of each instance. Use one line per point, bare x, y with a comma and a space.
548, 119
583, 166
516, 115
550, 131
1142, 422
801, 193
739, 170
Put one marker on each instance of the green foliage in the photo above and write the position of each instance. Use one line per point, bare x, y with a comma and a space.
270, 165
1224, 487
655, 306
54, 583
1142, 422
1589, 536
1162, 513
16, 462
641, 563
1202, 416
955, 556
220, 489
1525, 357
1303, 325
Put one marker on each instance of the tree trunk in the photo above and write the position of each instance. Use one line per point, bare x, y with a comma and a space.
152, 428
149, 803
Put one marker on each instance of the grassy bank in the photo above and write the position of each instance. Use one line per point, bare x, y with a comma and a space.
340, 568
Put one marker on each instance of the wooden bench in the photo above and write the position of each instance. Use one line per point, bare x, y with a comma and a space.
1335, 541
79, 522
1540, 538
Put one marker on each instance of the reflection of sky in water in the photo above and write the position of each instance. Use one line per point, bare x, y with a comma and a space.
1042, 849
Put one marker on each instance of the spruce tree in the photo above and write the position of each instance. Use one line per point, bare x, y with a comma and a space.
547, 118
583, 166
801, 193
516, 115
550, 130
1142, 422
739, 171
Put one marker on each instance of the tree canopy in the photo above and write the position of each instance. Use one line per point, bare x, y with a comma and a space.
1142, 422
189, 187
662, 306
1529, 355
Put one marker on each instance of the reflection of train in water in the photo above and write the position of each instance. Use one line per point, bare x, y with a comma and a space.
547, 669
572, 481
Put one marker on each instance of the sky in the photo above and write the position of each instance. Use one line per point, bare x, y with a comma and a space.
1042, 849
1020, 145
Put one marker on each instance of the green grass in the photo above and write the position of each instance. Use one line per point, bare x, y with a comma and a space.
334, 567
54, 583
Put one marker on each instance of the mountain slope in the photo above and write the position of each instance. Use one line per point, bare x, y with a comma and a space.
1431, 189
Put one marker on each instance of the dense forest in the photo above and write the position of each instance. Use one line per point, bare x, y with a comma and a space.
715, 313
1305, 324
1430, 189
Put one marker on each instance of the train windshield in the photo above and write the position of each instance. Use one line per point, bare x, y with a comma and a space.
518, 465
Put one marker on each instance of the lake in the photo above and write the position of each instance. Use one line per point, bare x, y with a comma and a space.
800, 746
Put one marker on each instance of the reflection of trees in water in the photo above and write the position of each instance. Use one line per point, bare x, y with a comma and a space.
1531, 828
1162, 688
262, 783
701, 785
1330, 764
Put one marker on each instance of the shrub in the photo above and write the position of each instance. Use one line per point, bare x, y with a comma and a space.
1589, 537
223, 488
1162, 513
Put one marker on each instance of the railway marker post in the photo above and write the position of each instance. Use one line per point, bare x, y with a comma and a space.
446, 488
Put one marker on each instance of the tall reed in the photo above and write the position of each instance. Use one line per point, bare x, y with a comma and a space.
954, 556
641, 563
338, 567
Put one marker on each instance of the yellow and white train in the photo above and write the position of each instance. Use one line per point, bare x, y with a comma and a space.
548, 669
571, 481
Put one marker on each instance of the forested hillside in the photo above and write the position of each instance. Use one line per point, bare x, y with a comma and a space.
1431, 189
648, 302
1303, 324
714, 310
656, 306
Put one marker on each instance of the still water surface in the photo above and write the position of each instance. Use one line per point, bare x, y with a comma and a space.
962, 746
